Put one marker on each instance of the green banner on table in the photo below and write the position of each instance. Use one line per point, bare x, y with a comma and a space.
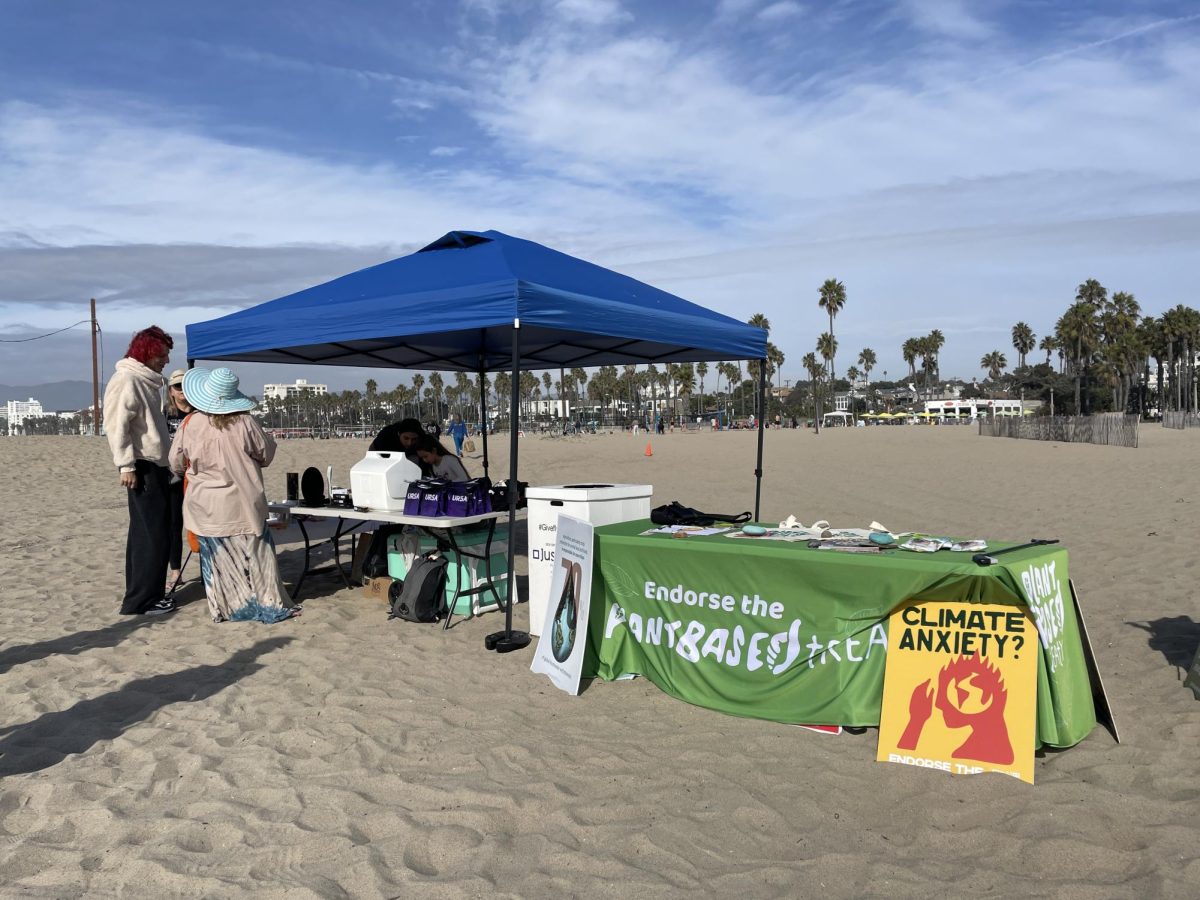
775, 630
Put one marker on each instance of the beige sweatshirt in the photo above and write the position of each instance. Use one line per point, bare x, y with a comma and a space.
133, 416
224, 493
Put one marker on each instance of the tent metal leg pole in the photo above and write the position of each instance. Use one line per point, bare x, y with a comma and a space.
483, 421
508, 640
762, 404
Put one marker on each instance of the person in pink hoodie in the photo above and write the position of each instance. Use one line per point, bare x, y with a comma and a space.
137, 434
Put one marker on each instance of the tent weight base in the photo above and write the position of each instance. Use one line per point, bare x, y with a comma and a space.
506, 641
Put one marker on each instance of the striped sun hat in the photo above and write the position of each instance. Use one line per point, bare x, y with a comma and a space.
215, 391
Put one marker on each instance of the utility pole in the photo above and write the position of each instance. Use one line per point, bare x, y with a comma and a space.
95, 374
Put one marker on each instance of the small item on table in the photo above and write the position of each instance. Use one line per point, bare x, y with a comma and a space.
924, 543
846, 545
973, 546
754, 530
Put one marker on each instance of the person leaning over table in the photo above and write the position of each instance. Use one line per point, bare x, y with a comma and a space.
223, 450
176, 409
402, 437
137, 435
441, 462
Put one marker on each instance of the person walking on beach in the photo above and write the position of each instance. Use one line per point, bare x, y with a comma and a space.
137, 434
176, 408
223, 450
458, 431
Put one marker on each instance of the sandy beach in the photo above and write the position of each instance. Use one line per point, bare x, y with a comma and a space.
340, 755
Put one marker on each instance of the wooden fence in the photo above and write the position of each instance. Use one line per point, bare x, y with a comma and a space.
1181, 419
1111, 429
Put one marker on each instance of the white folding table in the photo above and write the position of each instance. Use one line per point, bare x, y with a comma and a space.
440, 527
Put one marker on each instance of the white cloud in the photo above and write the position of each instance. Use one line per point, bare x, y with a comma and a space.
728, 10
779, 12
446, 151
73, 176
591, 12
947, 18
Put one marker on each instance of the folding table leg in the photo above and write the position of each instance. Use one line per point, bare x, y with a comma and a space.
307, 549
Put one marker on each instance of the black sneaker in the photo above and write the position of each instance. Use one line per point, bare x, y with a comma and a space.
162, 607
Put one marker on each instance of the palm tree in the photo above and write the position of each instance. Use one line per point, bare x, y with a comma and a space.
465, 390
925, 349
418, 382
937, 340
1023, 340
686, 382
995, 364
776, 358
503, 388
827, 348
1049, 345
652, 380
581, 377
909, 351
1093, 293
1076, 331
1122, 348
758, 320
832, 299
815, 370
866, 359
701, 370
435, 386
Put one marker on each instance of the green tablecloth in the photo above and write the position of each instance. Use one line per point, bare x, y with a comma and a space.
776, 630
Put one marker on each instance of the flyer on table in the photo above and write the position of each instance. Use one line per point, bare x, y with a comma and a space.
960, 689
560, 648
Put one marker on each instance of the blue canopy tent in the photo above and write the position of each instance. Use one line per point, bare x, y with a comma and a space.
482, 302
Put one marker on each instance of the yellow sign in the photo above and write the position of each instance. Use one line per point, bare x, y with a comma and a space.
960, 689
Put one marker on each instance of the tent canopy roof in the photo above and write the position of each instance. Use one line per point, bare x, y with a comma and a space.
452, 306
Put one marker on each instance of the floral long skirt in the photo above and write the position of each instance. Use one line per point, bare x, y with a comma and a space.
241, 578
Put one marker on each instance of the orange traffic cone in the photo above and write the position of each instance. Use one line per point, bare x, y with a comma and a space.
649, 452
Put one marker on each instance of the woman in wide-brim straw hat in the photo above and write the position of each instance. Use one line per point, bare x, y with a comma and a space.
222, 450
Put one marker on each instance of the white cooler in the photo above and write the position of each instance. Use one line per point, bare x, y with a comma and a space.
380, 480
599, 504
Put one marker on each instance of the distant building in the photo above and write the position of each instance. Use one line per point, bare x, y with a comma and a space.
20, 410
558, 409
978, 408
283, 391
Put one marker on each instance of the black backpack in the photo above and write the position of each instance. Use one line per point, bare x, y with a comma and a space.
421, 596
675, 513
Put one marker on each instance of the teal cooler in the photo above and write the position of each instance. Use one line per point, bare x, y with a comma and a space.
469, 572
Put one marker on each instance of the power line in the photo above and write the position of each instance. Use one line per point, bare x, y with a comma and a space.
40, 336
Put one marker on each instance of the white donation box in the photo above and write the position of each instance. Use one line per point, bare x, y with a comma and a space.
381, 479
599, 504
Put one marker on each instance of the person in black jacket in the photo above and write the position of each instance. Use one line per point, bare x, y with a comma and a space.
402, 437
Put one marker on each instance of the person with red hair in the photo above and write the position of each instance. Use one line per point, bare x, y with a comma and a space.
137, 434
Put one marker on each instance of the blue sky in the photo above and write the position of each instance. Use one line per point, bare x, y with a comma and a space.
958, 165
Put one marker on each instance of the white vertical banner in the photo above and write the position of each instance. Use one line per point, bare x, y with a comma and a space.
560, 648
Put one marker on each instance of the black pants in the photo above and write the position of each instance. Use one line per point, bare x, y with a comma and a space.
147, 546
175, 525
